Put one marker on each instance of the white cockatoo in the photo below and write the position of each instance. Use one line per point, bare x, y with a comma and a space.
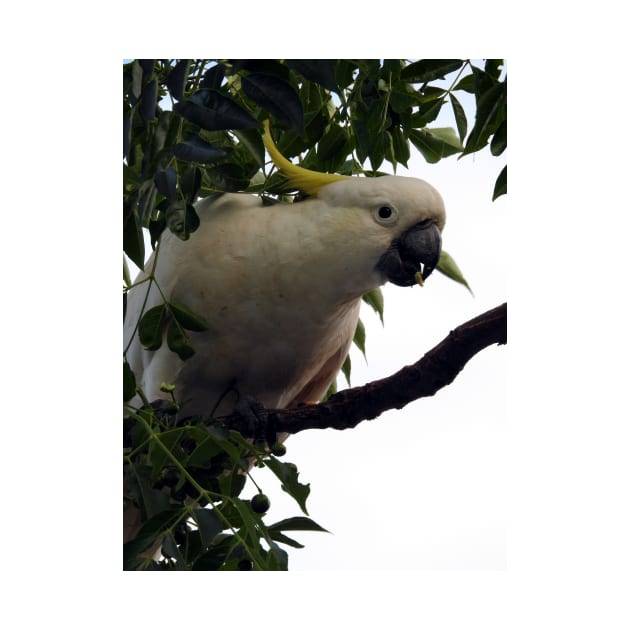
280, 286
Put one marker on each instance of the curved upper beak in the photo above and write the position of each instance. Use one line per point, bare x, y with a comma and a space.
421, 245
416, 251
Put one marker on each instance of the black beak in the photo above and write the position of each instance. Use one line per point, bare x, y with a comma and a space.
417, 250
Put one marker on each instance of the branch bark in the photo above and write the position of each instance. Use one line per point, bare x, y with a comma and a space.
435, 370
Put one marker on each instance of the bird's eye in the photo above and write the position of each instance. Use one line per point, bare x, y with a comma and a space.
386, 215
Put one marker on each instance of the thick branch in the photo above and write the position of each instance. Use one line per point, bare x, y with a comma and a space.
436, 369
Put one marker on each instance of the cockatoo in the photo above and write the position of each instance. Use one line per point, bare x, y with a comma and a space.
280, 286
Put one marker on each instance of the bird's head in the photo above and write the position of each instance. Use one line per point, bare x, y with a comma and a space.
401, 222
396, 221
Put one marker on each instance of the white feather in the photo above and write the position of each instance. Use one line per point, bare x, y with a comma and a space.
280, 286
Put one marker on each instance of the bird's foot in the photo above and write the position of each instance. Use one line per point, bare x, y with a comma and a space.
258, 423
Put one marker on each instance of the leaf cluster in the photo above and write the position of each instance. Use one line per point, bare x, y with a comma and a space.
185, 477
193, 127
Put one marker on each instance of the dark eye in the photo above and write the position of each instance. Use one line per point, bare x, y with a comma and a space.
384, 212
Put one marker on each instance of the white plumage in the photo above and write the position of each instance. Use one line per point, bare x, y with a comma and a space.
281, 288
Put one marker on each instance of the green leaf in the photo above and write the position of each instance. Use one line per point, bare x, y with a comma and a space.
161, 521
499, 140
151, 327
278, 558
493, 67
247, 447
157, 456
482, 83
346, 368
188, 319
209, 524
333, 147
150, 500
319, 71
176, 79
126, 275
344, 71
500, 187
297, 523
448, 136
276, 96
430, 69
127, 117
460, 117
190, 182
213, 77
375, 299
136, 79
166, 130
147, 66
377, 116
431, 93
380, 142
215, 557
430, 147
228, 177
178, 342
466, 84
250, 528
155, 230
359, 336
403, 97
362, 138
133, 239
129, 382
400, 146
252, 141
288, 475
166, 183
148, 100
150, 531
490, 114
434, 144
205, 450
271, 67
449, 268
425, 116
146, 200
197, 150
223, 438
278, 537
213, 111
232, 484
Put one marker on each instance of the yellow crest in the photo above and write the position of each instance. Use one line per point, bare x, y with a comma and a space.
308, 182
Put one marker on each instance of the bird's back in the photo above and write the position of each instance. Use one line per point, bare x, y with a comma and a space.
272, 334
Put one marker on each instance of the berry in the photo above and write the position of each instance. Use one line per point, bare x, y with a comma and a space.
260, 503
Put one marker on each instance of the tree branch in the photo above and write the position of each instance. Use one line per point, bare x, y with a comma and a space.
436, 369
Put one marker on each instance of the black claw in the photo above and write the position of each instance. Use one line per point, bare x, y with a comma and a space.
258, 424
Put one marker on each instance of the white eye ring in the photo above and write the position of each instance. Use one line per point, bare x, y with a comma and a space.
385, 214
